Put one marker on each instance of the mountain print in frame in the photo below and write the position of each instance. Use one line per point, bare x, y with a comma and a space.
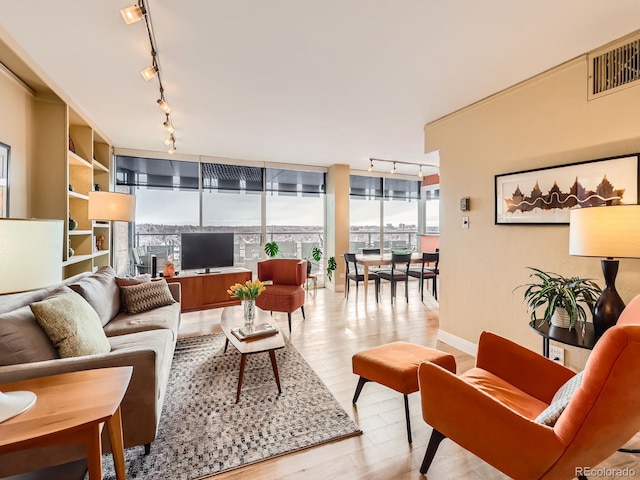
545, 195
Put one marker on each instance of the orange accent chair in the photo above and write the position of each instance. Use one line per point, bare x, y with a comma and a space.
286, 293
491, 409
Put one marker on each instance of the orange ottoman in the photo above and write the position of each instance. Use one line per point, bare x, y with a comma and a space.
395, 365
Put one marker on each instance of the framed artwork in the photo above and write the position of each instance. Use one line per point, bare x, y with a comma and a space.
545, 195
5, 155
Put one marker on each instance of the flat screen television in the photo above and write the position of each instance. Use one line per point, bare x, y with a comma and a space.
204, 251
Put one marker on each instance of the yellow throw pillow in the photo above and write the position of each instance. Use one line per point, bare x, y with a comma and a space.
72, 325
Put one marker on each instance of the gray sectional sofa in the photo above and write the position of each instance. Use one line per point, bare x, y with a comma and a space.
144, 340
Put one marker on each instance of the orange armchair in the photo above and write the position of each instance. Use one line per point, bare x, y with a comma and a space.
490, 410
286, 293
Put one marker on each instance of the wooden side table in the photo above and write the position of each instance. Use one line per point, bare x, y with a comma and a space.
71, 408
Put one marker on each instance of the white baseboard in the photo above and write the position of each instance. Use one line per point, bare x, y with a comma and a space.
460, 343
334, 287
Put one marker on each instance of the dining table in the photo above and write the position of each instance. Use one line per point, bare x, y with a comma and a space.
370, 260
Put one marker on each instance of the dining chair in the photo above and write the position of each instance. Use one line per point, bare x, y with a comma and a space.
427, 272
397, 273
354, 274
374, 251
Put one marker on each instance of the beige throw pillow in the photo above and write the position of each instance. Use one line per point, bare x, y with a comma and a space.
146, 296
71, 324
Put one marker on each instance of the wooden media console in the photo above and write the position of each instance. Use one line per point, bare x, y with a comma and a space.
201, 291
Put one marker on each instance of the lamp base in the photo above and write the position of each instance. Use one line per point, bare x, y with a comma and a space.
14, 403
609, 306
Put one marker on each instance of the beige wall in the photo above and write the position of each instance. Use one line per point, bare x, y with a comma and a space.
543, 122
15, 128
337, 234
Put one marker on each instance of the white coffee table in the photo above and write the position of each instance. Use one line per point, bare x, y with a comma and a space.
232, 317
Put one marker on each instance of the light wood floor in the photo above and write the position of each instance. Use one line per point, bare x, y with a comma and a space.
335, 329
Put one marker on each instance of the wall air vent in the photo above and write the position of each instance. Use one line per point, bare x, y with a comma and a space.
614, 67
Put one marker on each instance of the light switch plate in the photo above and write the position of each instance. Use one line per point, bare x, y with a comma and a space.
465, 222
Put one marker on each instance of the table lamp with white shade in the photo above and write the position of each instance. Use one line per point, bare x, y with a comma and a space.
112, 206
609, 232
31, 258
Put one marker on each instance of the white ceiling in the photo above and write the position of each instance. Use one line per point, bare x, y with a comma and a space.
301, 81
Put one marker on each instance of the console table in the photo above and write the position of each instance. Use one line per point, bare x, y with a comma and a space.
573, 337
200, 291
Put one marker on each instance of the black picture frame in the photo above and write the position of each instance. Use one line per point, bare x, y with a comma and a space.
5, 159
544, 196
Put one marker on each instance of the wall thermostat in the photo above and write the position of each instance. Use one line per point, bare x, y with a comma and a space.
464, 204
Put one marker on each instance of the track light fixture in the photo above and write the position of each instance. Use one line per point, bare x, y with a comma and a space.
149, 72
394, 168
166, 108
167, 125
131, 15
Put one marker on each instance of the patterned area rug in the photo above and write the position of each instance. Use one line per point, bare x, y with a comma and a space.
203, 432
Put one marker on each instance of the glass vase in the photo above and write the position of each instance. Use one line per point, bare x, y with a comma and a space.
249, 307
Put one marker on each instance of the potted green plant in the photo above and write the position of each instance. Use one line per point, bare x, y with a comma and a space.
315, 254
560, 297
331, 266
271, 249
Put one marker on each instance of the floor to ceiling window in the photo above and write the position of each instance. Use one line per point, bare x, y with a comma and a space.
167, 203
400, 213
179, 196
383, 213
365, 194
429, 226
432, 209
231, 202
295, 212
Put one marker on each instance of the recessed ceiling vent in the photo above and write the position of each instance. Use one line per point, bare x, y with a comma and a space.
614, 67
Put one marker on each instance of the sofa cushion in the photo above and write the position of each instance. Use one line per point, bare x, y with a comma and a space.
560, 401
101, 291
151, 354
506, 393
71, 323
167, 317
22, 339
146, 296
